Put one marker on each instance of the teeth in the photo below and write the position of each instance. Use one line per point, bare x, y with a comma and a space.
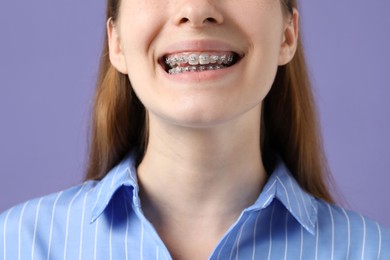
193, 59
222, 59
213, 59
198, 59
171, 61
204, 59
182, 60
178, 70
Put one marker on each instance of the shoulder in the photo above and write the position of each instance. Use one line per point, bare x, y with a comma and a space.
20, 222
364, 237
46, 206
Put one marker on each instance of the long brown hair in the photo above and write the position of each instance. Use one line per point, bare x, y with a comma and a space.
289, 123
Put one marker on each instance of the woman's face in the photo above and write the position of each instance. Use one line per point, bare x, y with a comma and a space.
200, 63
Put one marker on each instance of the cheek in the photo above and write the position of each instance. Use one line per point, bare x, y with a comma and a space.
140, 23
137, 44
266, 41
262, 21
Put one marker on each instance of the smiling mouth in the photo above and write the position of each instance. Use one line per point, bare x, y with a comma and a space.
198, 61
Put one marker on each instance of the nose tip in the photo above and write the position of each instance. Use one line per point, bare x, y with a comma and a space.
198, 13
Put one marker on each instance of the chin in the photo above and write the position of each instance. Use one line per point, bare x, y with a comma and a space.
196, 119
202, 118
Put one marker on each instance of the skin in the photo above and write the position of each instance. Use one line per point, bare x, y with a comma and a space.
203, 146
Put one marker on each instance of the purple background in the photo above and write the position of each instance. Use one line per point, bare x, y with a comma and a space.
49, 51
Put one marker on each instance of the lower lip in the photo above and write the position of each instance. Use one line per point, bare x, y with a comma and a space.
207, 75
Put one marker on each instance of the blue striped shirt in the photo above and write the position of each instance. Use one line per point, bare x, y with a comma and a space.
104, 220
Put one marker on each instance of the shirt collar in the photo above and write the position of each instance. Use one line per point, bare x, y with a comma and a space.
280, 185
124, 174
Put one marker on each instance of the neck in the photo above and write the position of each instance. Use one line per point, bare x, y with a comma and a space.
208, 173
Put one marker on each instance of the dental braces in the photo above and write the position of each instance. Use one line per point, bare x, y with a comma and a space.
178, 70
196, 59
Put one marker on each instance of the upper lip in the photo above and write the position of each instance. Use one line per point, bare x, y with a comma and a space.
200, 46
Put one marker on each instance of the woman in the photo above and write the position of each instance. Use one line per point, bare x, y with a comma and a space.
205, 146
